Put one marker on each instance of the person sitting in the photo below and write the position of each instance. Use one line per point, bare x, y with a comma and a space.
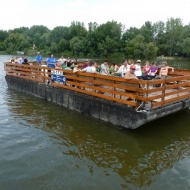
12, 60
131, 73
123, 69
76, 69
25, 61
138, 71
85, 64
114, 68
130, 62
146, 68
92, 68
58, 66
21, 60
62, 60
104, 68
164, 70
153, 70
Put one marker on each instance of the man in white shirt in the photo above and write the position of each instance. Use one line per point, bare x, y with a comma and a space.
91, 68
138, 71
104, 68
123, 69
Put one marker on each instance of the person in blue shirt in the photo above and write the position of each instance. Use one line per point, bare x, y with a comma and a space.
51, 61
39, 58
21, 60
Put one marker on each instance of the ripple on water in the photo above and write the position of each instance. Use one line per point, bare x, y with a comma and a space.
44, 146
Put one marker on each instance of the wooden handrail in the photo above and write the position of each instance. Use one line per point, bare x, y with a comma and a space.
116, 89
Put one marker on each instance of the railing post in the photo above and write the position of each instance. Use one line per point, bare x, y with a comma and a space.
163, 92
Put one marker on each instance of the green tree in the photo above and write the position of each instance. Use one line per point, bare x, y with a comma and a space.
3, 36
127, 36
17, 42
76, 45
173, 30
150, 50
135, 48
109, 35
147, 32
185, 46
159, 33
77, 29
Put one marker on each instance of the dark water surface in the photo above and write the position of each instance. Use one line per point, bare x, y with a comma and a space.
45, 146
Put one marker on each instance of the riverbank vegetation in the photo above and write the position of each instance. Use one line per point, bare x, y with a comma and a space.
110, 39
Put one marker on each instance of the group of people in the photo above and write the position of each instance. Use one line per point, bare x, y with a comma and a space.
19, 60
128, 70
149, 71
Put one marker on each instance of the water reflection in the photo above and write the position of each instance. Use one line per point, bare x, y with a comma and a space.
136, 156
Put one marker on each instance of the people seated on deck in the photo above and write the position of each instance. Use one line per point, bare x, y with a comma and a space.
131, 73
58, 66
12, 60
123, 69
138, 71
104, 68
66, 67
39, 58
62, 60
146, 68
25, 61
51, 61
130, 62
91, 68
21, 60
85, 64
153, 69
76, 68
113, 68
164, 70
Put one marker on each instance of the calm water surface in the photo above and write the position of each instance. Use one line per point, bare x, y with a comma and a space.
45, 146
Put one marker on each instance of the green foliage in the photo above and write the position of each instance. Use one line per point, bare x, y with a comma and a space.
16, 42
150, 51
109, 40
186, 46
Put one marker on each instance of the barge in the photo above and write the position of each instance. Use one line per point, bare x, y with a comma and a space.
125, 103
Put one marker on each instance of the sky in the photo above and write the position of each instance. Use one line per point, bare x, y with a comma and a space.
52, 13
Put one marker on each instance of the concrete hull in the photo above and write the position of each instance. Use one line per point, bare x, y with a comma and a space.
108, 111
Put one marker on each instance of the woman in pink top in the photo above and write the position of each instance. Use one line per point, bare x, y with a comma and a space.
146, 68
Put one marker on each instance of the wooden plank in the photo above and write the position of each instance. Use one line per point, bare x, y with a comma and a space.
33, 79
112, 92
169, 101
179, 98
135, 89
97, 95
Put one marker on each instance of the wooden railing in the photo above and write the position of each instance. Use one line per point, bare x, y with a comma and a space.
150, 94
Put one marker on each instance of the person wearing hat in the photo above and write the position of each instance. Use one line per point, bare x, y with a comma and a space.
39, 58
138, 71
131, 73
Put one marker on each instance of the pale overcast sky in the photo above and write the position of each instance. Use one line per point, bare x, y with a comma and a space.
52, 13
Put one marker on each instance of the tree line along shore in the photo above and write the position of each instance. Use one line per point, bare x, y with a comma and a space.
110, 39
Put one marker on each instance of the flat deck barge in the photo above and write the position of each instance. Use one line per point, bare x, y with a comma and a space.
125, 103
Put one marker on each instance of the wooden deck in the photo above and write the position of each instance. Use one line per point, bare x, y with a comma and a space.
132, 93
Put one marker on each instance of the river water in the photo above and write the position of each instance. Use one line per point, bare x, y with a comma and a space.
45, 146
